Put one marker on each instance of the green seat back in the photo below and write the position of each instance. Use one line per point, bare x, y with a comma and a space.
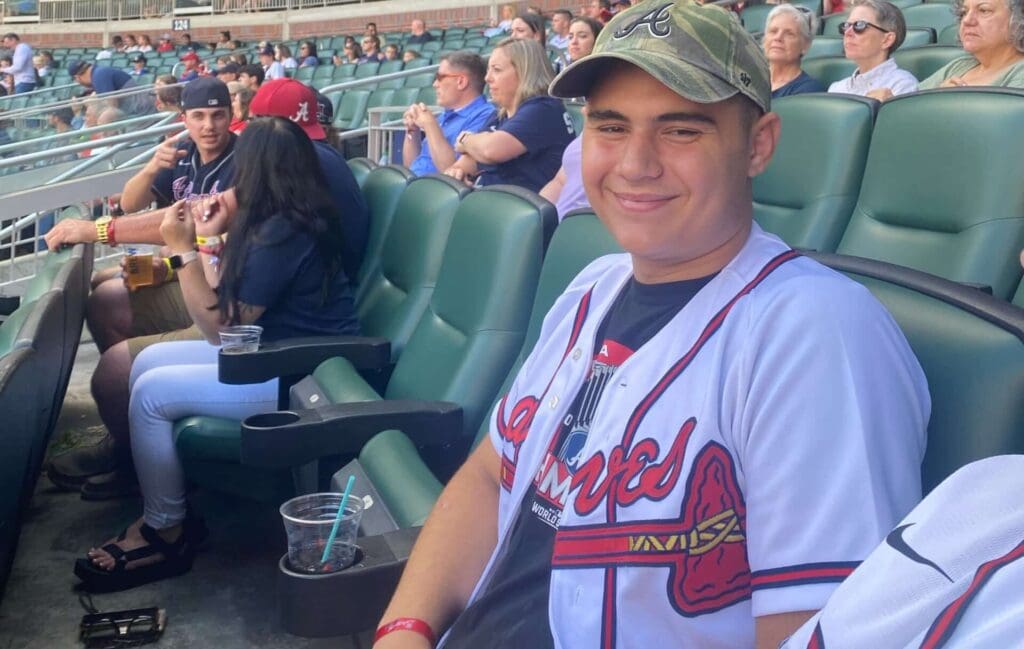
922, 62
382, 187
389, 67
361, 168
808, 191
468, 338
1018, 299
971, 347
917, 37
424, 80
930, 15
830, 23
416, 63
306, 74
825, 46
950, 35
405, 96
366, 70
394, 295
828, 69
351, 112
903, 4
943, 194
380, 98
426, 95
755, 16
392, 462
343, 72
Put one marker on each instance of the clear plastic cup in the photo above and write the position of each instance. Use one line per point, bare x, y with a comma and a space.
308, 521
138, 269
240, 339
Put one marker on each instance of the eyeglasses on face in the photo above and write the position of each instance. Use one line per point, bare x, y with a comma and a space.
858, 27
441, 77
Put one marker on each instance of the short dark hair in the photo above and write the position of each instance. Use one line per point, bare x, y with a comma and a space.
169, 93
536, 24
472, 64
64, 115
562, 12
11, 35
226, 34
253, 71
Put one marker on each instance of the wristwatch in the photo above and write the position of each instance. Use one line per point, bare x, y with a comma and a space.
103, 228
182, 259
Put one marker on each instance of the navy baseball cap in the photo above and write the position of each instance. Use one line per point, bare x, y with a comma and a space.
205, 92
227, 68
77, 66
267, 51
138, 57
324, 108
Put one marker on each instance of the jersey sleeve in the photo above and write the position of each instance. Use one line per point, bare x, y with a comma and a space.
272, 262
537, 124
828, 410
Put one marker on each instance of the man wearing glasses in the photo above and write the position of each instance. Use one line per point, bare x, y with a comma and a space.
874, 30
371, 50
430, 141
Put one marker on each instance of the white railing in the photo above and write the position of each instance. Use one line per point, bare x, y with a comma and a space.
59, 11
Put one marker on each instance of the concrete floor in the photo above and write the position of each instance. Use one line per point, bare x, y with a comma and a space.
226, 601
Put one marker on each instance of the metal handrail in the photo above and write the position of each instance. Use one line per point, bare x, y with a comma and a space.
401, 74
82, 146
157, 118
40, 91
30, 111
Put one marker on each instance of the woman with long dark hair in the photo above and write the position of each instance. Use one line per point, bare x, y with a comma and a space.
278, 265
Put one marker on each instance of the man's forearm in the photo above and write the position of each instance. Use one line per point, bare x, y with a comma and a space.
411, 149
441, 152
453, 547
137, 193
139, 228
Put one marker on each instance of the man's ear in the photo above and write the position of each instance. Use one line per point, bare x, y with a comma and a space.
764, 137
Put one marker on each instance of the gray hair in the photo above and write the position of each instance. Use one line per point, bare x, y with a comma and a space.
472, 64
890, 18
807, 22
1016, 8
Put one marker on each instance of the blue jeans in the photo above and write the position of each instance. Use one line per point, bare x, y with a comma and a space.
24, 87
170, 381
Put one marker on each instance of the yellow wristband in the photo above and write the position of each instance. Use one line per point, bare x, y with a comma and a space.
210, 241
170, 269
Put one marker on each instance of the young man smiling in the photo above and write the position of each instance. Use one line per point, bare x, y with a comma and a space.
712, 430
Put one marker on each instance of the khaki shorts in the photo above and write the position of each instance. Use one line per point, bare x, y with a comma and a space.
159, 315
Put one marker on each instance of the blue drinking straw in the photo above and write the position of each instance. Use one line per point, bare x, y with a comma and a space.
337, 521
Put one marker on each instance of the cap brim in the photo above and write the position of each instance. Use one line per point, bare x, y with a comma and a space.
685, 79
314, 131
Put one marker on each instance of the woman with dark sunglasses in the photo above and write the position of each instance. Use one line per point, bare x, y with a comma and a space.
874, 30
992, 32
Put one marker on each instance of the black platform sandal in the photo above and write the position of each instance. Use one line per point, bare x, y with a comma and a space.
177, 560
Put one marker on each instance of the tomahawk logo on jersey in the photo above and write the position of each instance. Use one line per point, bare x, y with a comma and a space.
554, 480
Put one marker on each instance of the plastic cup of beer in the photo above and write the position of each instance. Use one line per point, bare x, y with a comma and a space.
138, 269
240, 339
308, 521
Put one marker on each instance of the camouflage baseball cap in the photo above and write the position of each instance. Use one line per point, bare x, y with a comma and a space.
699, 51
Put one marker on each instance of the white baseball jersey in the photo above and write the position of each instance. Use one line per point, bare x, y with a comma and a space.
948, 576
741, 463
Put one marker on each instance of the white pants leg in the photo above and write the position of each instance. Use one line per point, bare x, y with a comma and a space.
170, 381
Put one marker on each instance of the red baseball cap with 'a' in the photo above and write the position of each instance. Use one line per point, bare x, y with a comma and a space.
291, 99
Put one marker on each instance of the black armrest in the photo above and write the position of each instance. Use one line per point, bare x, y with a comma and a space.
984, 288
300, 356
290, 438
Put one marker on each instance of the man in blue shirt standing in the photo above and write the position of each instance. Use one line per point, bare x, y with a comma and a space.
104, 79
429, 144
21, 64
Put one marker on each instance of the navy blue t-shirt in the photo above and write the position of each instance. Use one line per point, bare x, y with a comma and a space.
801, 84
545, 129
284, 273
190, 177
512, 610
355, 214
107, 79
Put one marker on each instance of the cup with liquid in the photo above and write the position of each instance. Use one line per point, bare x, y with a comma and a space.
308, 521
240, 339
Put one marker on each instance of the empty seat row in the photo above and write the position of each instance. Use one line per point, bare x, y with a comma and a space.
928, 180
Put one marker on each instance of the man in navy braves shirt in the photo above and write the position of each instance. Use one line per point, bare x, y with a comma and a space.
711, 430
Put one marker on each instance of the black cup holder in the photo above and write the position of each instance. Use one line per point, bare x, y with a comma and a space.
271, 419
323, 575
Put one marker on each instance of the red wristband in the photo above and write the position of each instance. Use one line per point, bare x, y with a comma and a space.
406, 624
111, 241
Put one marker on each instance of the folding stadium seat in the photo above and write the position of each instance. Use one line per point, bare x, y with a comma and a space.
379, 99
415, 47
361, 168
343, 73
934, 16
755, 16
942, 189
337, 43
324, 43
950, 36
427, 95
431, 46
830, 23
971, 347
1018, 299
146, 79
814, 6
808, 192
453, 44
419, 80
416, 63
406, 97
383, 188
917, 37
393, 299
366, 71
828, 69
306, 74
922, 62
454, 32
351, 111
475, 42
903, 4
825, 46
389, 67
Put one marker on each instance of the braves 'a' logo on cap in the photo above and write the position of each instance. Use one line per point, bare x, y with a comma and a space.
656, 20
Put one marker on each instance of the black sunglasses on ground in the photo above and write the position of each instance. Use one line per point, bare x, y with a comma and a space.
858, 27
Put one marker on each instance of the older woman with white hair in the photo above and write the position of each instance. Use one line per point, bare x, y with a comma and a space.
992, 33
788, 33
871, 34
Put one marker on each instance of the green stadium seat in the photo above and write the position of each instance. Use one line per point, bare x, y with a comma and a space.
383, 188
306, 74
575, 111
917, 37
427, 95
416, 63
755, 16
971, 347
351, 111
476, 42
392, 300
431, 46
923, 62
828, 69
942, 193
380, 98
825, 46
903, 4
807, 193
419, 80
361, 167
830, 23
950, 36
415, 47
934, 16
455, 32
343, 73
406, 97
453, 44
390, 67
1018, 299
